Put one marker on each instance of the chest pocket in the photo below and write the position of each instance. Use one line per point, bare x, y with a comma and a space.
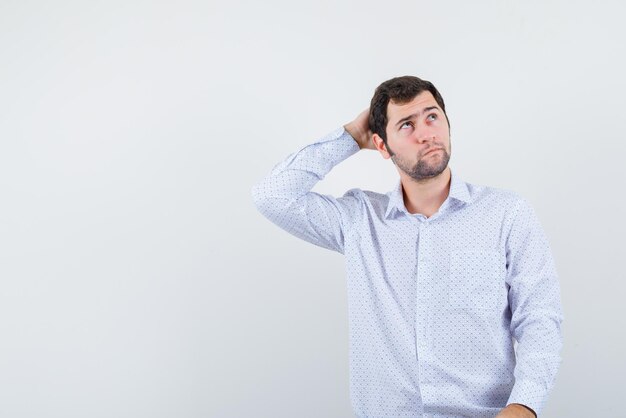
477, 280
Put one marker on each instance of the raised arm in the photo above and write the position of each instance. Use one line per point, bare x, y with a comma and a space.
285, 196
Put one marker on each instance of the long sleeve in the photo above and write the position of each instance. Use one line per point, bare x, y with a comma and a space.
536, 313
286, 199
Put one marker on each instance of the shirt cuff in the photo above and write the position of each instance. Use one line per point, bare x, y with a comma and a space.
321, 156
342, 135
530, 394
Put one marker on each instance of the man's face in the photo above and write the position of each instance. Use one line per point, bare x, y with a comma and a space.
418, 137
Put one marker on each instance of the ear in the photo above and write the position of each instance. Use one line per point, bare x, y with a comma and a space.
380, 146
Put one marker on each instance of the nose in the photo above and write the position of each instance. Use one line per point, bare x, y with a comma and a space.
425, 137
424, 133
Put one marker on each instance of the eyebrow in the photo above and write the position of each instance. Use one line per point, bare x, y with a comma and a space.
413, 115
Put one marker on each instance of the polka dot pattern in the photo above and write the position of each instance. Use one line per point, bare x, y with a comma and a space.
435, 304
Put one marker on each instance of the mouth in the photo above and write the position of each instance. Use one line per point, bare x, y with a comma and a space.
433, 150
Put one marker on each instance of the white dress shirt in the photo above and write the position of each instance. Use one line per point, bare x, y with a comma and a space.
436, 303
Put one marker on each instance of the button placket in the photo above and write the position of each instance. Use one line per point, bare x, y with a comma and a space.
422, 303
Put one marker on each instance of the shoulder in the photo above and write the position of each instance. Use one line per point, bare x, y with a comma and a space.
512, 209
497, 203
367, 196
496, 197
366, 200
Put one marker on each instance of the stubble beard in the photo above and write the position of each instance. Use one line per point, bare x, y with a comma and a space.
423, 169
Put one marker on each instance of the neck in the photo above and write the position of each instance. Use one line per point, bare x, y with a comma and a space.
425, 196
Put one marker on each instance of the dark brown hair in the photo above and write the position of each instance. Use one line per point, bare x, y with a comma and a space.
400, 90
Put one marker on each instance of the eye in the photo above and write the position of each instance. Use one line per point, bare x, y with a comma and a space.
406, 125
432, 116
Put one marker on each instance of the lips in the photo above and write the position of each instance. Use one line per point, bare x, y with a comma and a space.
432, 150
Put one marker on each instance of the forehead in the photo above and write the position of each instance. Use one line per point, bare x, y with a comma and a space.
397, 111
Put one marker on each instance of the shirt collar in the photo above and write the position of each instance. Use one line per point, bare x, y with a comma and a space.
458, 191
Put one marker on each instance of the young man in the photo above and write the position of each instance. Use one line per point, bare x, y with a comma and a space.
443, 275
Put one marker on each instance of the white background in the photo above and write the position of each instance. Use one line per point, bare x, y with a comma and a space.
137, 279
